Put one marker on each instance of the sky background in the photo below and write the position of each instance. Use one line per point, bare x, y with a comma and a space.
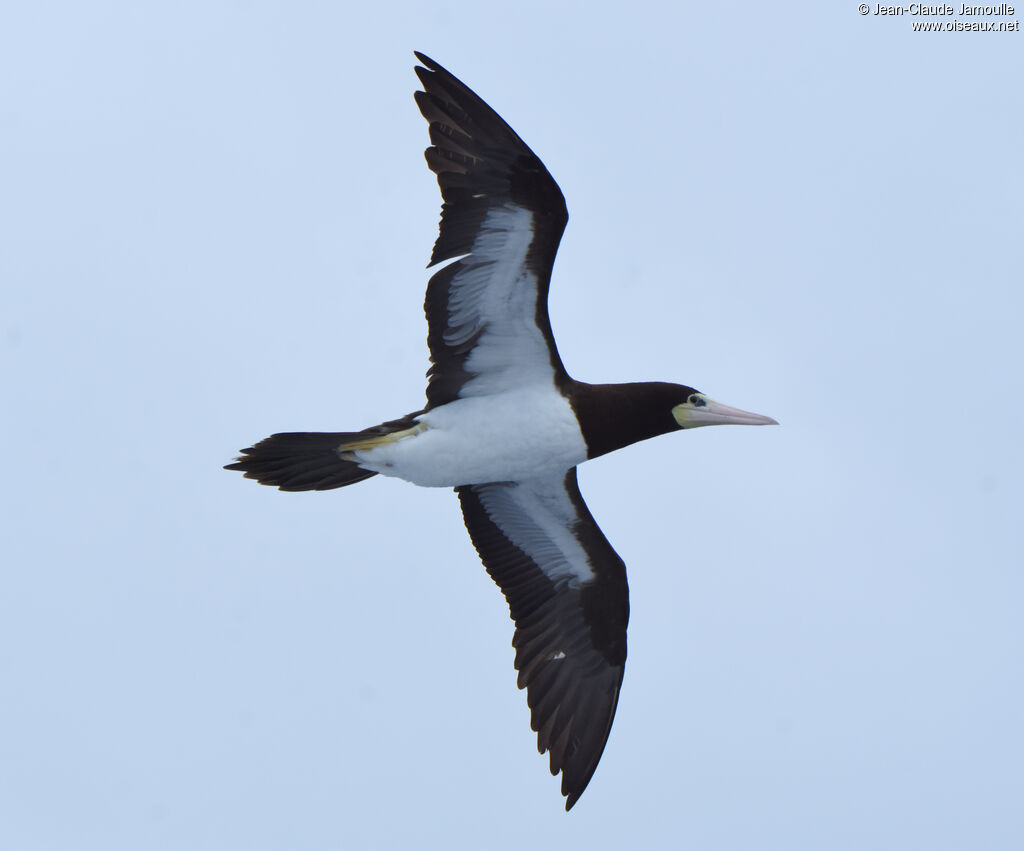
214, 221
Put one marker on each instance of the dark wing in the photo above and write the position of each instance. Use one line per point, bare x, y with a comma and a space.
503, 216
567, 593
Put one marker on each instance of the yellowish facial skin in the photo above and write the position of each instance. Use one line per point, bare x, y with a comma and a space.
683, 413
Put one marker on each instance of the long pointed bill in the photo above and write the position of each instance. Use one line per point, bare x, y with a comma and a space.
715, 413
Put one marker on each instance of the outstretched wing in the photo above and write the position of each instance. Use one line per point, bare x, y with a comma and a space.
503, 216
567, 593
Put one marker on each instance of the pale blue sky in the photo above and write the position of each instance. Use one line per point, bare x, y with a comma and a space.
214, 219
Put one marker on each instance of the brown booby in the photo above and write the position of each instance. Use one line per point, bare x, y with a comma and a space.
506, 426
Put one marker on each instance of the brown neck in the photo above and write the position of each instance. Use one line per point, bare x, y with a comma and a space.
612, 416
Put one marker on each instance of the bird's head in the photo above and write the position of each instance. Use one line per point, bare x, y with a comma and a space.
616, 415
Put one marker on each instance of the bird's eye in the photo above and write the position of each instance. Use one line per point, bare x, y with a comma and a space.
696, 401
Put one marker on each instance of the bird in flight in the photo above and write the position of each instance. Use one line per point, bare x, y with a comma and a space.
506, 426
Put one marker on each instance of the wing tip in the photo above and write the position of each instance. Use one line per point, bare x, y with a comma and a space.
429, 66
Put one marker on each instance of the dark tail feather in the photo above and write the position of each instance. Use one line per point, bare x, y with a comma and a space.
301, 461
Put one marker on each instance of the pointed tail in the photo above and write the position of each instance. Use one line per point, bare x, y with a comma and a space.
301, 461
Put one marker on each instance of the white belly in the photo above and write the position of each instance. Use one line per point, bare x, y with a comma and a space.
512, 436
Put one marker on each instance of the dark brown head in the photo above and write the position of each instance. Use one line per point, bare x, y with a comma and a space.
612, 416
